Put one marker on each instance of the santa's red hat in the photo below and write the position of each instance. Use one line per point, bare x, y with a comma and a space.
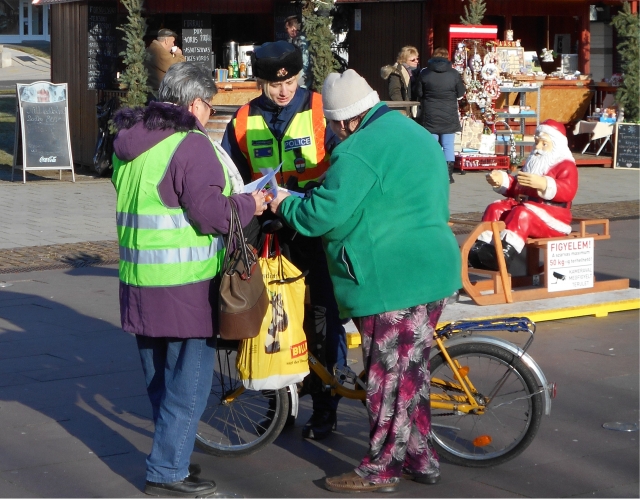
555, 130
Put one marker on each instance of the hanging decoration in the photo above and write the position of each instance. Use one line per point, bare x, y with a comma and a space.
481, 75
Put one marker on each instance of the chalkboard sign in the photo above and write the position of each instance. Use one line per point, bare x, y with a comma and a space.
42, 129
197, 39
103, 51
626, 150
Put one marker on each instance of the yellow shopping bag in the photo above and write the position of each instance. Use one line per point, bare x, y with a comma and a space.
277, 357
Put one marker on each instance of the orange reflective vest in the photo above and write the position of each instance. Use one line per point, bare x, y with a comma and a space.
301, 149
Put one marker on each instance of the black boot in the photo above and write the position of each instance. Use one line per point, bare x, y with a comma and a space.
450, 165
320, 425
509, 254
488, 258
474, 258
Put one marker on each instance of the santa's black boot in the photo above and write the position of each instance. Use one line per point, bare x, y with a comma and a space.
509, 253
487, 256
474, 259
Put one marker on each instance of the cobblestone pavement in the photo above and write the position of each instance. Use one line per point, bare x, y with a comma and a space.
96, 253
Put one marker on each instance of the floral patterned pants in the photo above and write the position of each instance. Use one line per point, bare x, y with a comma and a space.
395, 348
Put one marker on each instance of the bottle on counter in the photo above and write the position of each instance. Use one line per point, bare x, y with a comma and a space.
249, 69
236, 70
230, 69
242, 69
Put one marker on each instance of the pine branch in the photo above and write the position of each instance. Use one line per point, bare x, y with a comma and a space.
474, 12
134, 76
317, 28
627, 25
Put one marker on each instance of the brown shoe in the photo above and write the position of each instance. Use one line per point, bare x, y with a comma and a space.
351, 482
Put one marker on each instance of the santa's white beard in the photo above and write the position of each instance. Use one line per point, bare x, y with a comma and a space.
540, 162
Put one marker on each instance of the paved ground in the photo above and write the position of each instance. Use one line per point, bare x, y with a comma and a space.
76, 419
76, 422
52, 221
24, 68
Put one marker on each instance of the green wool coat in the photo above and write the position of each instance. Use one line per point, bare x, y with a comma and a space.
382, 212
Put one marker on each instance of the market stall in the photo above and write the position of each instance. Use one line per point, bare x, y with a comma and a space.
508, 95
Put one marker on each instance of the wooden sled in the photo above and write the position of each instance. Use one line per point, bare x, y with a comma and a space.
502, 288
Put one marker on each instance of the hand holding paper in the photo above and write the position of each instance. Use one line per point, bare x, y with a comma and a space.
267, 178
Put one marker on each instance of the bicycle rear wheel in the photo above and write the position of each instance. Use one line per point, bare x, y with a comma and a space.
511, 417
236, 421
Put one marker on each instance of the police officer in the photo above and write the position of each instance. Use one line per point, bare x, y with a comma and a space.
286, 124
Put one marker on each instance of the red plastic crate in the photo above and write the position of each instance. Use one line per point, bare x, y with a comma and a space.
482, 162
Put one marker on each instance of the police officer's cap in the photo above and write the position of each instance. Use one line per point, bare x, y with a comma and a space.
276, 61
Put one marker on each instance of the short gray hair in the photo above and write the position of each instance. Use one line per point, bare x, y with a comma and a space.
184, 83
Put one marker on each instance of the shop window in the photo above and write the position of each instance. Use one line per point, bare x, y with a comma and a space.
37, 15
25, 18
9, 17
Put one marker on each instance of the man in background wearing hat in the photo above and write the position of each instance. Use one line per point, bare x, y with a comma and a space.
382, 212
286, 125
297, 38
538, 203
162, 53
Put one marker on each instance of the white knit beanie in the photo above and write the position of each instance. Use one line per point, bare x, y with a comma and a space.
347, 95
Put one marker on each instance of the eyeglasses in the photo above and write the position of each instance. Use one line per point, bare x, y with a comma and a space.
414, 59
212, 111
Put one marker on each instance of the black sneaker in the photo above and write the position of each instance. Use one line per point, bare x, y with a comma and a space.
431, 477
320, 425
183, 489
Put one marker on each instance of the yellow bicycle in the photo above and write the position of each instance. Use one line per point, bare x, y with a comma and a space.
487, 397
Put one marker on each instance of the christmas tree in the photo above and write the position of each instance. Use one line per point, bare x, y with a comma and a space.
134, 77
474, 13
316, 18
627, 25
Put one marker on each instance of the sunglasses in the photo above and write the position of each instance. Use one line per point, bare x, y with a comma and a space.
414, 59
212, 111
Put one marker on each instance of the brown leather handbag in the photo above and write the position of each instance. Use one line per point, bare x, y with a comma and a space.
243, 297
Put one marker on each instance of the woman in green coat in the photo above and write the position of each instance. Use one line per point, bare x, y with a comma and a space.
382, 212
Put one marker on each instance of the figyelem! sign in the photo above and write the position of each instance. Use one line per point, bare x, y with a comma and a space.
570, 264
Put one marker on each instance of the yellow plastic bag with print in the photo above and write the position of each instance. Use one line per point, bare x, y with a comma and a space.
277, 357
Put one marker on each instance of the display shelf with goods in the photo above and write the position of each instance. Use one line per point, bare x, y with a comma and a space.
517, 114
477, 62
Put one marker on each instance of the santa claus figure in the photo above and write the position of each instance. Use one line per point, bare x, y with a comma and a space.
538, 200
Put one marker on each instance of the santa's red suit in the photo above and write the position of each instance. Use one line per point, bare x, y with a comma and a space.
528, 212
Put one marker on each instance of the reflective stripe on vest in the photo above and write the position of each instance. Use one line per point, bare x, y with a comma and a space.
303, 141
171, 255
158, 245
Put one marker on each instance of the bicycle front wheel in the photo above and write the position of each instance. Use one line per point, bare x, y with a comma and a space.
237, 421
511, 416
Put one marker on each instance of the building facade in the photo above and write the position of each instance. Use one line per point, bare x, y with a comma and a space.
21, 20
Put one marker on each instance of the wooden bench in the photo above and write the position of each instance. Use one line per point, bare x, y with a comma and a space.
502, 288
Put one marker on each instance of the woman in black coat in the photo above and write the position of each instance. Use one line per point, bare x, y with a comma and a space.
438, 88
